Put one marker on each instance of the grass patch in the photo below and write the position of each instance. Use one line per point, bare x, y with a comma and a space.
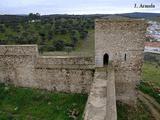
150, 83
83, 48
66, 38
151, 72
150, 89
126, 112
87, 45
31, 104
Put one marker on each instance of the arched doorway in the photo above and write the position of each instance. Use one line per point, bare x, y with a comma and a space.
105, 59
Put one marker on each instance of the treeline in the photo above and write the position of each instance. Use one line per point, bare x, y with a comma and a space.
50, 32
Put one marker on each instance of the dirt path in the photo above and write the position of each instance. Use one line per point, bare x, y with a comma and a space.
151, 103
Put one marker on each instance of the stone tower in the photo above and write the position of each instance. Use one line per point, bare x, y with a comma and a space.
121, 43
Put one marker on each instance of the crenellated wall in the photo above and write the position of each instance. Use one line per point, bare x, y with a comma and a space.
22, 66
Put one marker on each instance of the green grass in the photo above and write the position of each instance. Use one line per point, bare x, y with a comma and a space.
31, 104
150, 89
150, 83
151, 73
66, 38
126, 112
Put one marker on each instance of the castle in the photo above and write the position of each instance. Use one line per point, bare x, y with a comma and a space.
112, 75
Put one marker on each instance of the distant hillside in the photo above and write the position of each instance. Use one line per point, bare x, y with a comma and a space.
140, 15
130, 15
50, 32
57, 32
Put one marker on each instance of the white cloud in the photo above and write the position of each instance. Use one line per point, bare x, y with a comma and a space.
74, 6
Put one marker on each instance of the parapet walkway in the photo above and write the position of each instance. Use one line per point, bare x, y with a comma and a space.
101, 104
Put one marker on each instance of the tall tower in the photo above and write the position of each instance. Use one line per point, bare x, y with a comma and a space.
121, 42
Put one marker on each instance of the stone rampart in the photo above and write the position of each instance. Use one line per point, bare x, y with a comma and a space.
21, 65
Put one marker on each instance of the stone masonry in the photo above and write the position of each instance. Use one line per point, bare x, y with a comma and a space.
22, 66
123, 41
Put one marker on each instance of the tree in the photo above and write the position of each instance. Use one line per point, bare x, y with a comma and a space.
2, 29
63, 31
34, 16
50, 34
74, 40
59, 45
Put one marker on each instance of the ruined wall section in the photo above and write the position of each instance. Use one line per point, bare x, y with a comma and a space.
17, 64
22, 66
123, 41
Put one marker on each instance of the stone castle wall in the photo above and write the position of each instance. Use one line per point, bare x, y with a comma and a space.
123, 41
22, 66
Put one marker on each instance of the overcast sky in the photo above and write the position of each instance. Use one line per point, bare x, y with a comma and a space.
75, 6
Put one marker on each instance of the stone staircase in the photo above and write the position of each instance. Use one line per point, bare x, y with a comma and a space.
101, 104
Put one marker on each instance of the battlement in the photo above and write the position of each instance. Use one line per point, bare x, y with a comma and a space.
68, 62
22, 65
18, 50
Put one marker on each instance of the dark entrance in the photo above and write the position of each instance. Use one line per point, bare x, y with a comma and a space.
105, 59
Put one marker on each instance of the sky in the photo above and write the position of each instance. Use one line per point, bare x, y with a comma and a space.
45, 7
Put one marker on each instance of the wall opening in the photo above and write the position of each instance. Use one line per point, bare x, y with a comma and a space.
125, 57
105, 59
